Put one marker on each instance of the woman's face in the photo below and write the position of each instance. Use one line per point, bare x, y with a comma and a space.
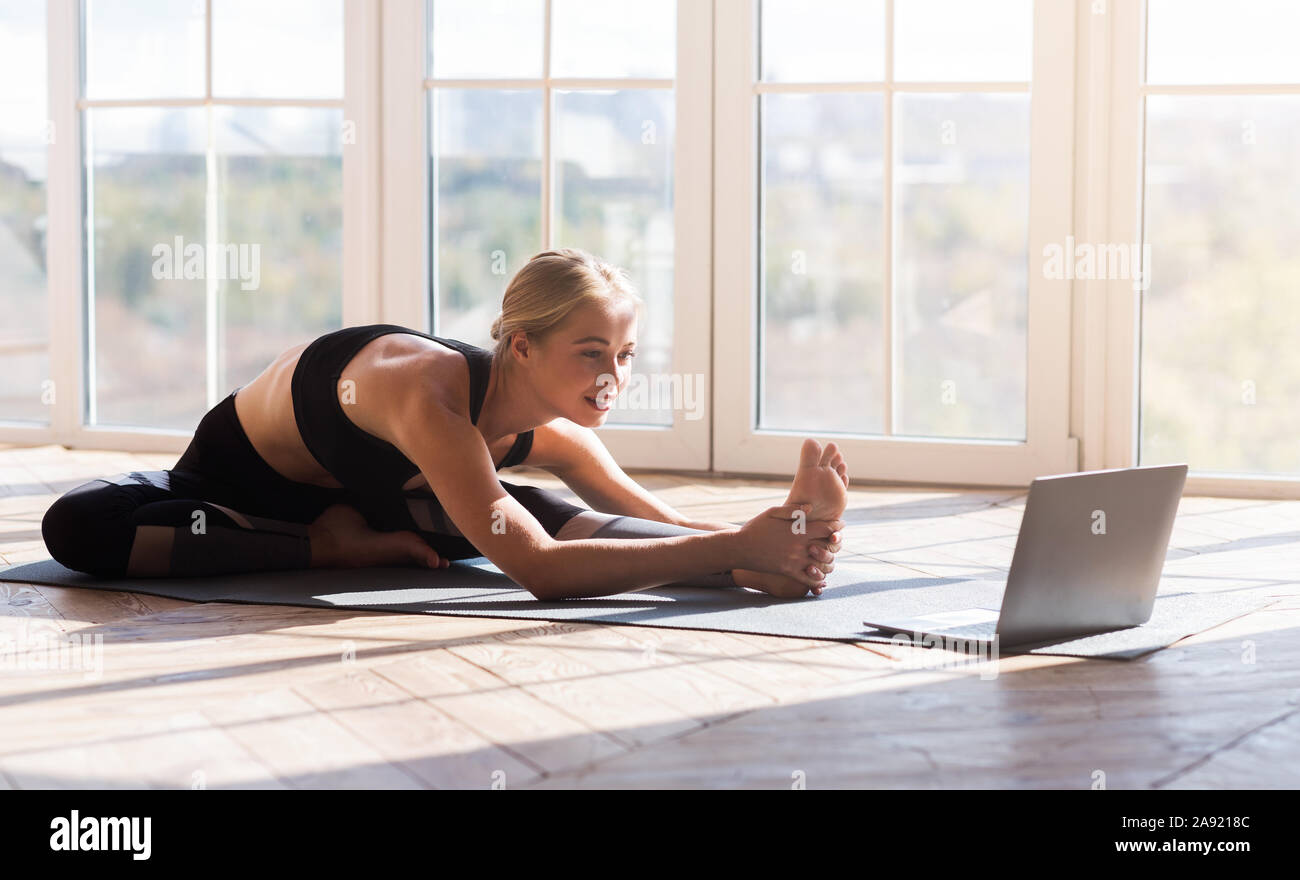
586, 361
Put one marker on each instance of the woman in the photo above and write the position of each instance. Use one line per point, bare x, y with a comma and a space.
379, 445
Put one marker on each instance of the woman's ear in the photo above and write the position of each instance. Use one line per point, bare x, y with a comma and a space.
519, 344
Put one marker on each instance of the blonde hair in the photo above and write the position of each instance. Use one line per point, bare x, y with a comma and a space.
549, 287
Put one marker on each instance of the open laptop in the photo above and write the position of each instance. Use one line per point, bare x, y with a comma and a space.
1088, 559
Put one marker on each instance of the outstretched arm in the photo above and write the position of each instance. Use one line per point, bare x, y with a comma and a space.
577, 456
453, 458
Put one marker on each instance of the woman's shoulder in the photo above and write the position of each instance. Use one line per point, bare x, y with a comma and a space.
413, 370
447, 373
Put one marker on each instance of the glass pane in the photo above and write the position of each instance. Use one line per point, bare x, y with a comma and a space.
613, 38
144, 48
961, 41
283, 49
485, 176
279, 234
497, 39
614, 197
146, 181
961, 225
1207, 41
823, 40
822, 365
25, 389
1220, 364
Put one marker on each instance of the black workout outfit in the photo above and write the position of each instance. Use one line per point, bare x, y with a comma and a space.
254, 519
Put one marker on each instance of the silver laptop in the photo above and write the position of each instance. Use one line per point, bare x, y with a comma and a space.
1088, 560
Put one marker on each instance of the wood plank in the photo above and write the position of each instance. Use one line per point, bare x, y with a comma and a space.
832, 661
620, 708
303, 747
1265, 753
782, 670
691, 687
176, 750
958, 733
512, 717
19, 600
82, 606
272, 696
425, 741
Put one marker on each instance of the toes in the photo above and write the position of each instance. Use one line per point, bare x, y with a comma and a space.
810, 453
837, 462
414, 546
829, 453
420, 551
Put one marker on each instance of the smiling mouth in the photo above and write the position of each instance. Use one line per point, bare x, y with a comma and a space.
596, 406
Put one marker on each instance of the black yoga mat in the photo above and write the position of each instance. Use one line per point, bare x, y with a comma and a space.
857, 590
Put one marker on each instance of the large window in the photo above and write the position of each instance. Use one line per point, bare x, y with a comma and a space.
891, 170
553, 125
973, 241
895, 204
26, 390
212, 136
1221, 221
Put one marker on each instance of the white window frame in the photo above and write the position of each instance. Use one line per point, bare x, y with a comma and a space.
407, 300
738, 445
1109, 186
66, 209
1083, 345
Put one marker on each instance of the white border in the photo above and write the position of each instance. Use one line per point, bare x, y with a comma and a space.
362, 178
1048, 449
64, 258
405, 298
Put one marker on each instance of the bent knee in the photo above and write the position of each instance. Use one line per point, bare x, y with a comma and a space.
88, 529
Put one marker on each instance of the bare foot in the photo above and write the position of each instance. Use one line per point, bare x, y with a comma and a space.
774, 584
821, 480
341, 538
788, 587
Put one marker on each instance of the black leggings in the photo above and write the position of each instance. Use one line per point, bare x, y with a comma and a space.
222, 509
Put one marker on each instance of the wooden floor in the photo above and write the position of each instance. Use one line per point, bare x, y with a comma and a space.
223, 695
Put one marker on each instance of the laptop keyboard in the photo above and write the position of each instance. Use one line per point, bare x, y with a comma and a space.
985, 630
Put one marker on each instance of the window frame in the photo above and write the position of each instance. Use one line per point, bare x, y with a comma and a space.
1109, 189
1091, 418
67, 203
408, 295
1049, 447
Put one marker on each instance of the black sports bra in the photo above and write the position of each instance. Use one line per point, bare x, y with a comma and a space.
356, 458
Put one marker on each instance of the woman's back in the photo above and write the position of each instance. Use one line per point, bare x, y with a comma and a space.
380, 372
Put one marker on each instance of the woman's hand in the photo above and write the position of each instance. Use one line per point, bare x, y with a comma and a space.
772, 543
823, 552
